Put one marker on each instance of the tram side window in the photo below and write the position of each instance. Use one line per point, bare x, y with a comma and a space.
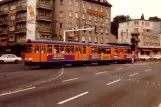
62, 49
49, 49
29, 48
129, 51
36, 49
99, 50
84, 50
126, 51
116, 50
92, 50
43, 50
56, 48
103, 51
108, 51
72, 49
67, 49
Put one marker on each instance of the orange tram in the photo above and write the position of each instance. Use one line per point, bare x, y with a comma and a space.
51, 53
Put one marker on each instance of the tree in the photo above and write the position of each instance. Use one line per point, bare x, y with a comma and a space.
115, 24
121, 18
142, 16
155, 18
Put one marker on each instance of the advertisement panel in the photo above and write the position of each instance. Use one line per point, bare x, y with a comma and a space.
31, 19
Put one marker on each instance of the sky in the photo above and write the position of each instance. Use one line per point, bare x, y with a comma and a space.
135, 8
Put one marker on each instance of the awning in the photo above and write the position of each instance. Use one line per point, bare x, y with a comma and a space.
146, 50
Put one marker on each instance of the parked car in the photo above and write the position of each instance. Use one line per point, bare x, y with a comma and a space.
156, 57
10, 58
144, 57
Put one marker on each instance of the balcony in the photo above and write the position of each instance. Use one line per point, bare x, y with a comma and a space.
21, 30
44, 18
3, 22
4, 12
4, 32
44, 6
41, 29
21, 19
21, 8
135, 33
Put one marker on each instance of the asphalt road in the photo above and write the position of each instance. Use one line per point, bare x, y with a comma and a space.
116, 85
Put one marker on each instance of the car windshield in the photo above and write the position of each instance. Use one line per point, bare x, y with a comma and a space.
4, 56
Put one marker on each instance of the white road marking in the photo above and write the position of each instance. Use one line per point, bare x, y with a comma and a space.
119, 68
113, 82
42, 82
100, 73
133, 74
72, 98
147, 70
70, 79
7, 93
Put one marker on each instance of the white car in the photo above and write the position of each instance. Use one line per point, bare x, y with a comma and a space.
144, 57
156, 57
6, 58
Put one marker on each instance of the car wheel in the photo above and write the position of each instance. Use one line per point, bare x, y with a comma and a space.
16, 61
1, 62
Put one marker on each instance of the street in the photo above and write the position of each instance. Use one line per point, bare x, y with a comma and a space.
114, 85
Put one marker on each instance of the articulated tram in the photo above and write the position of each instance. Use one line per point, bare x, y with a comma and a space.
51, 53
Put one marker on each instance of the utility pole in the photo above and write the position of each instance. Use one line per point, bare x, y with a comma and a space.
134, 42
75, 30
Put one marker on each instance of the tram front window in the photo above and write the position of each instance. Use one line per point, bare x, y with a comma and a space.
29, 49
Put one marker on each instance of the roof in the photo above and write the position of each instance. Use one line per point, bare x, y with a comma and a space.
137, 20
56, 42
119, 45
101, 2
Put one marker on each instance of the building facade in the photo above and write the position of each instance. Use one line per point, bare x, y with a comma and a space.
81, 14
148, 35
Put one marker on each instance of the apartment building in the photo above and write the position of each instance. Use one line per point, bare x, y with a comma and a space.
80, 14
25, 19
47, 19
147, 33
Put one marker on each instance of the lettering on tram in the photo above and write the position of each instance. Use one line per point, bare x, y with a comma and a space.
58, 57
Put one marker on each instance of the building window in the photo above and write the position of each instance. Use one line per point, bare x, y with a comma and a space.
83, 16
13, 17
96, 8
76, 15
70, 2
90, 17
107, 21
101, 40
61, 14
61, 2
11, 38
90, 6
70, 13
61, 25
101, 9
76, 26
83, 38
11, 28
12, 7
95, 18
90, 39
95, 39
77, 3
106, 31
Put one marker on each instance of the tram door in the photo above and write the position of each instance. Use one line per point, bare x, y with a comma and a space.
36, 54
121, 53
43, 52
78, 53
